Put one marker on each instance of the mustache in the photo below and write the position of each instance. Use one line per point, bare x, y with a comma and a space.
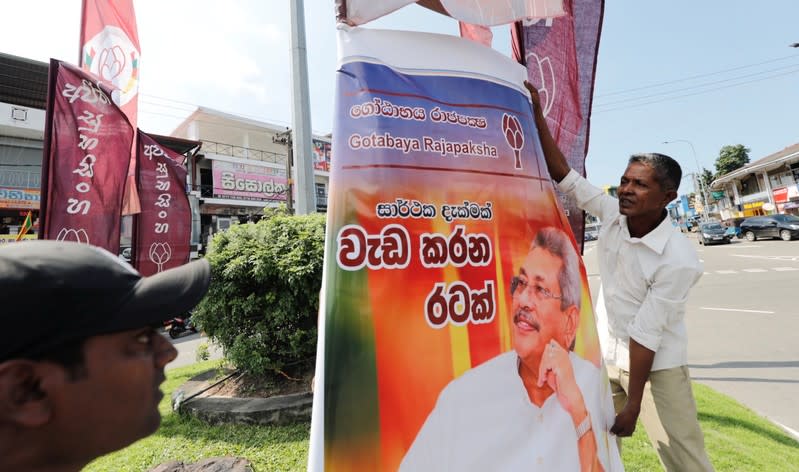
521, 314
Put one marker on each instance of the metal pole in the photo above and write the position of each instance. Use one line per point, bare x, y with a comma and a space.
301, 112
698, 181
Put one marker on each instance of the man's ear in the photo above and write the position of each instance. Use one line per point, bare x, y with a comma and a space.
671, 195
572, 321
23, 401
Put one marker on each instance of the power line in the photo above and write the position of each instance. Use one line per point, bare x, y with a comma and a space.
705, 84
694, 93
692, 77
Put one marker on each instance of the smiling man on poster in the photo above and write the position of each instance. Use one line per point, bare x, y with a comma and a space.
535, 407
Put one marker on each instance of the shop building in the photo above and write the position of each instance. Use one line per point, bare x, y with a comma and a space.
763, 187
236, 166
243, 167
23, 93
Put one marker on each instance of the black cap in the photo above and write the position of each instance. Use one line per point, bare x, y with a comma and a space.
52, 292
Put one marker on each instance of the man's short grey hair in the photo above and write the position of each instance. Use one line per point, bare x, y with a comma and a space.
559, 245
667, 171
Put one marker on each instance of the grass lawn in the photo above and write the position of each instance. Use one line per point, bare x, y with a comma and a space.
279, 448
736, 439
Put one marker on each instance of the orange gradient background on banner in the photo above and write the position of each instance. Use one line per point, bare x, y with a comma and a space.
415, 361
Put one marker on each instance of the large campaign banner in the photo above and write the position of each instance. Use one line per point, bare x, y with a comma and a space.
163, 229
87, 144
456, 330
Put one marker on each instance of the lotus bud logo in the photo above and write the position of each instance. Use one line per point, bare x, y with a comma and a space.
514, 136
542, 76
160, 253
69, 234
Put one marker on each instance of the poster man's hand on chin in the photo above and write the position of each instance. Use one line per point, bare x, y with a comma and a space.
556, 371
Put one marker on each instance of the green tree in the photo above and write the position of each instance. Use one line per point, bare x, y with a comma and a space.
731, 158
706, 177
263, 302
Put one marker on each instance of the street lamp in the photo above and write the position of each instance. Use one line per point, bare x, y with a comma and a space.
698, 175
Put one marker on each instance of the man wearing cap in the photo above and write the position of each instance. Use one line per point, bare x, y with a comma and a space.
81, 360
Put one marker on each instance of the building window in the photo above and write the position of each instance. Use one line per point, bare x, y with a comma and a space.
783, 179
321, 196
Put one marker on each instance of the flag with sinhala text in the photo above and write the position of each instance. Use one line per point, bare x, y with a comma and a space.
109, 49
82, 174
163, 230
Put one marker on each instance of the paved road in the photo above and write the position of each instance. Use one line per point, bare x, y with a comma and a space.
187, 350
743, 324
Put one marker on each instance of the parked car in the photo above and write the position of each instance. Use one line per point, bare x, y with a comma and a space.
785, 227
713, 233
734, 226
590, 236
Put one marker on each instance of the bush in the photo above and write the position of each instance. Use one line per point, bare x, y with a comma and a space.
263, 301
202, 354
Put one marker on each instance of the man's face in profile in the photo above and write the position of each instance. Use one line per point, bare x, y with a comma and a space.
115, 400
537, 317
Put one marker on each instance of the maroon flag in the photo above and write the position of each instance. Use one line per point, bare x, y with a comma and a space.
560, 54
163, 229
84, 164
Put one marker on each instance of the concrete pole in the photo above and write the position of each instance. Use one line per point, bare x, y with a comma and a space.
301, 113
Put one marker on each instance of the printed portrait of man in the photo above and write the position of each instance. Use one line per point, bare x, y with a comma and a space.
538, 406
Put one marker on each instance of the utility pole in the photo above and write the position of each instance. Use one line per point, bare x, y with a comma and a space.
284, 138
301, 113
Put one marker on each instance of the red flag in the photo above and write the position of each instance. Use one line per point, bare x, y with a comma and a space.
477, 33
560, 54
163, 229
84, 167
109, 49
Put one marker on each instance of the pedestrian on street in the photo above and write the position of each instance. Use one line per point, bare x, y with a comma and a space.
81, 359
647, 268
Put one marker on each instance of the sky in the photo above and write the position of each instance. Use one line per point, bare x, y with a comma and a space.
705, 74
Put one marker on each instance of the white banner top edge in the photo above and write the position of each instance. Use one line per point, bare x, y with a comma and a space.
418, 53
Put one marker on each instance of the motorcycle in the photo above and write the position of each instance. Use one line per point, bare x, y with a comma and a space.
178, 325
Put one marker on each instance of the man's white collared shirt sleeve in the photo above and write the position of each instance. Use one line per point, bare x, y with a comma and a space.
645, 281
663, 306
589, 198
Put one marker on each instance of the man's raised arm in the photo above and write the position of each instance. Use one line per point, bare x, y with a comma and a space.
556, 161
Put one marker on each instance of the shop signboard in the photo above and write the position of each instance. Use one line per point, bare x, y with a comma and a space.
781, 194
321, 155
19, 198
240, 181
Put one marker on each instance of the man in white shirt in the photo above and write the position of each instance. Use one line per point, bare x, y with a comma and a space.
538, 407
647, 268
